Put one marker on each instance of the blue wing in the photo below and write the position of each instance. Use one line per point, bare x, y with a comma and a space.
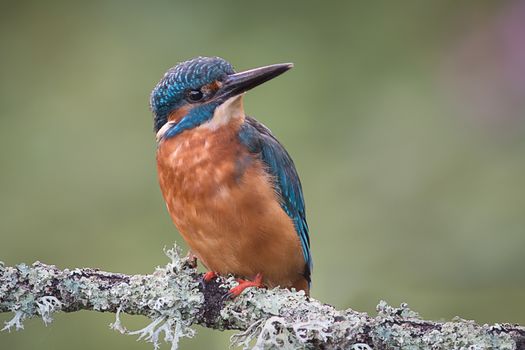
259, 140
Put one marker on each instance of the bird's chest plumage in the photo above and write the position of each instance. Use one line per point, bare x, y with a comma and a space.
197, 163
198, 173
205, 177
223, 202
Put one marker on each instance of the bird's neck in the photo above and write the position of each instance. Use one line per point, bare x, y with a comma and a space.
230, 112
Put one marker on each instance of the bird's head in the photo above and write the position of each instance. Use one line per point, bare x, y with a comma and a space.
192, 92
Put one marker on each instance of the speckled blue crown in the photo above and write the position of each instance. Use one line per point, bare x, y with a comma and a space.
192, 74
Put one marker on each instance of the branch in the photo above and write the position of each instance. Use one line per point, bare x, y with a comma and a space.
174, 299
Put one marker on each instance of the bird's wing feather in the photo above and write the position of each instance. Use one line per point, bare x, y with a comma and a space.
259, 140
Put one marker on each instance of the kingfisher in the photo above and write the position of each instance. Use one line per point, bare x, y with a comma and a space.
230, 187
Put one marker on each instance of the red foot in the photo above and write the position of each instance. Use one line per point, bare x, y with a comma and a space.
243, 284
208, 276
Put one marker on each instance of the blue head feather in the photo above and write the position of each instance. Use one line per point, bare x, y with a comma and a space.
169, 94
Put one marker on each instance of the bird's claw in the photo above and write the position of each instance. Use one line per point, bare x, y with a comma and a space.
227, 296
207, 277
243, 284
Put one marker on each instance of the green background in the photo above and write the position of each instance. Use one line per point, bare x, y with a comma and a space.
406, 120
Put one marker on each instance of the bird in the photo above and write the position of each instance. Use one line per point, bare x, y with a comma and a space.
230, 187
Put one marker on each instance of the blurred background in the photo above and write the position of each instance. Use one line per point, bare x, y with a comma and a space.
406, 121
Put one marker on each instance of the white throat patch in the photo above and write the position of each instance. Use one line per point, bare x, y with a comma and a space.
232, 108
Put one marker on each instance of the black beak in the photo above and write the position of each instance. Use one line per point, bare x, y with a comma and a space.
238, 83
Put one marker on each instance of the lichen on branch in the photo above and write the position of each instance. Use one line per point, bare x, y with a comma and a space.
174, 298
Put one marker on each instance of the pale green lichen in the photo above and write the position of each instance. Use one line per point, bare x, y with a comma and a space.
279, 319
47, 305
170, 296
293, 323
360, 346
460, 334
15, 322
268, 319
23, 303
172, 314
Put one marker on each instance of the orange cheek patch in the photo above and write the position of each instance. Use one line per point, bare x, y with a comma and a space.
212, 87
178, 114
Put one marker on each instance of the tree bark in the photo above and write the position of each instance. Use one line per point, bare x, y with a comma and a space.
174, 298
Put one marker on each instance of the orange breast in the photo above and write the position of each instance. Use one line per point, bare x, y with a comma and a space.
223, 203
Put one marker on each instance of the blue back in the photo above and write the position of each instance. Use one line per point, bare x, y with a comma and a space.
259, 139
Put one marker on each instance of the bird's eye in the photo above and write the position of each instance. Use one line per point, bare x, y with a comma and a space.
195, 95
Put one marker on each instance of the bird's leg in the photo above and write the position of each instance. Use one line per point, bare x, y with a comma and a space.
243, 284
191, 259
